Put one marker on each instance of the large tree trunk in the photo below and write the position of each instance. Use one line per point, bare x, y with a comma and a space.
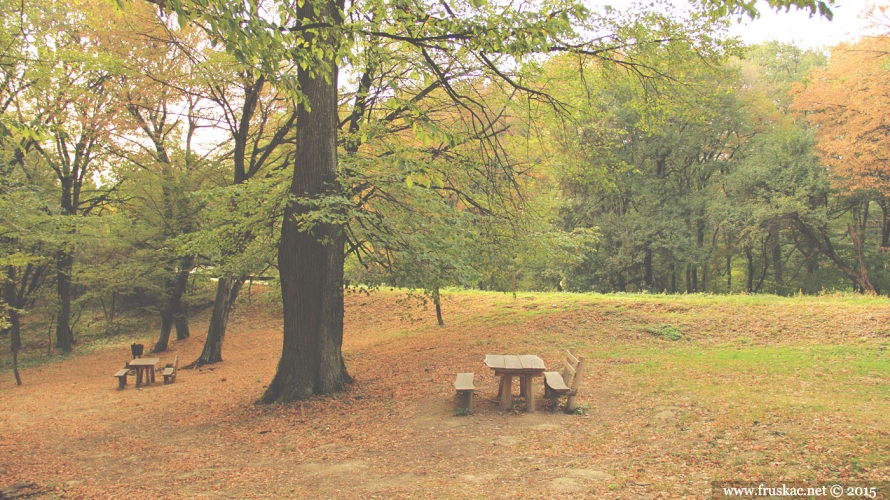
227, 289
310, 259
64, 266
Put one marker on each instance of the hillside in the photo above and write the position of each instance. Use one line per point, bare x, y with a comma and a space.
679, 392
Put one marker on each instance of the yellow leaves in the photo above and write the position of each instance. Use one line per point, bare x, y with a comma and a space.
849, 105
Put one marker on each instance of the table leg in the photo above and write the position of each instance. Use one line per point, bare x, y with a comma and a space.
529, 394
151, 373
506, 392
138, 376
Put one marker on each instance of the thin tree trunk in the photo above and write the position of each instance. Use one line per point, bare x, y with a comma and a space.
15, 367
227, 290
437, 301
776, 254
311, 259
885, 222
673, 279
729, 272
64, 335
648, 274
15, 334
749, 286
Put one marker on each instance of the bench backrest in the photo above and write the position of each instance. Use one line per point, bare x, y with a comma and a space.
573, 369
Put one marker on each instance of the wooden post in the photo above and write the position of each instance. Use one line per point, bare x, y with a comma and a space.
529, 394
467, 399
576, 383
506, 394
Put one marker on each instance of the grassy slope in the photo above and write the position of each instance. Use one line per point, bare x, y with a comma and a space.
798, 384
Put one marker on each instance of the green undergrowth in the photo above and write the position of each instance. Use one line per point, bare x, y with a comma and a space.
38, 339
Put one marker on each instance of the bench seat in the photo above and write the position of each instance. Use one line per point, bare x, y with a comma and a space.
554, 383
464, 386
122, 377
170, 372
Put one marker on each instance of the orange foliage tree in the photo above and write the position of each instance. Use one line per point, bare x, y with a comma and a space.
848, 104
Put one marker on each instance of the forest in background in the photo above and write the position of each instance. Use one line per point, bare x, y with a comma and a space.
146, 169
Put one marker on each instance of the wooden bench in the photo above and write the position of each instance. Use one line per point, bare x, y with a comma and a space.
567, 382
464, 386
170, 371
122, 377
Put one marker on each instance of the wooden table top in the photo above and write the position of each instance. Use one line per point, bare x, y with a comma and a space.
528, 363
143, 362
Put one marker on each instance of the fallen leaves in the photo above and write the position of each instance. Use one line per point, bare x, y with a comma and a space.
651, 426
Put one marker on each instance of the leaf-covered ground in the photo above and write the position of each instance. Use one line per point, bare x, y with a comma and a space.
679, 392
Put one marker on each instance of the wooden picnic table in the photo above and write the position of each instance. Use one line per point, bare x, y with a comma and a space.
144, 367
508, 366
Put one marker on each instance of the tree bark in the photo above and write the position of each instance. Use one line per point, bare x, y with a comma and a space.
15, 334
437, 301
729, 272
648, 272
310, 257
64, 266
173, 311
776, 254
227, 290
673, 279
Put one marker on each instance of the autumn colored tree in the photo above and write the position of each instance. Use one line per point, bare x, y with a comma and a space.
847, 104
68, 102
158, 153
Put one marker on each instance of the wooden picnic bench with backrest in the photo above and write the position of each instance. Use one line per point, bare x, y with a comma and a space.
170, 371
567, 382
464, 386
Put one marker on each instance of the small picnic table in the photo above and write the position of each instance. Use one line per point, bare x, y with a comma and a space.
145, 369
508, 366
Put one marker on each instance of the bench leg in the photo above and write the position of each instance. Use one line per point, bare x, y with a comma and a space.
121, 382
467, 399
570, 403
